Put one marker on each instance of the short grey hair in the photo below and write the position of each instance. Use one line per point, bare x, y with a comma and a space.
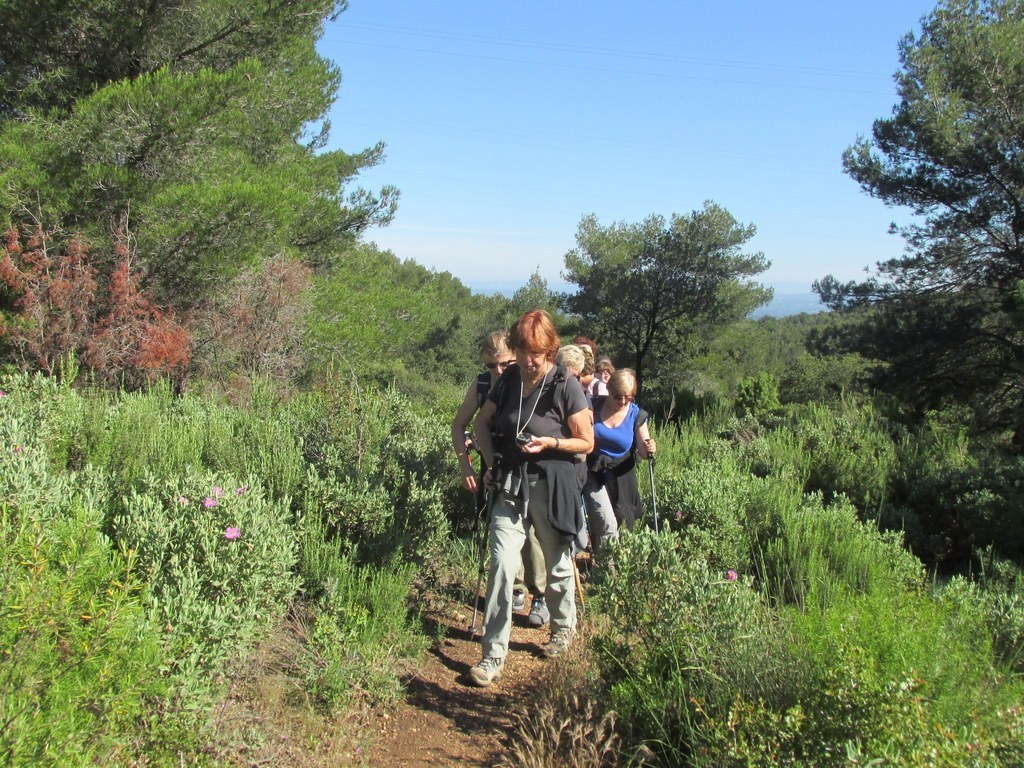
571, 356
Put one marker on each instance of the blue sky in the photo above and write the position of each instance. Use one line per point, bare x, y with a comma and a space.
506, 123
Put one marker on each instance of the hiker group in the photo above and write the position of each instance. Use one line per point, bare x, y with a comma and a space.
558, 433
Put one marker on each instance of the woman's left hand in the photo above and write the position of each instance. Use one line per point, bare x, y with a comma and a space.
536, 445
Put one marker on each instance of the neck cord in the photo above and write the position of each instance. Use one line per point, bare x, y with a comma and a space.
537, 389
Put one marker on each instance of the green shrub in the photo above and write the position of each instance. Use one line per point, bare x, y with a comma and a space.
78, 653
955, 499
815, 553
999, 604
889, 675
680, 634
758, 396
705, 504
840, 657
48, 410
359, 625
849, 452
381, 475
218, 557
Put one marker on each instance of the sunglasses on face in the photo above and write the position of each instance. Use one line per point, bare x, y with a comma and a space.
500, 364
624, 398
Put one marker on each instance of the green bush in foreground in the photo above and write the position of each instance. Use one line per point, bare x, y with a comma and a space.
79, 659
678, 629
359, 624
704, 672
218, 557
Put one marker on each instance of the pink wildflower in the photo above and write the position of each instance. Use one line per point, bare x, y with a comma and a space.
231, 533
216, 492
241, 490
182, 500
731, 575
208, 502
2, 393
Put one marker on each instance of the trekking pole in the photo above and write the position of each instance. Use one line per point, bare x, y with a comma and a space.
579, 584
654, 499
482, 530
575, 554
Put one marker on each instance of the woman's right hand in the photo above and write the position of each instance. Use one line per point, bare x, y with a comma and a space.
469, 482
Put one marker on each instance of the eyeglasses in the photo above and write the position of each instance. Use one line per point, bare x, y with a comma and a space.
503, 364
624, 398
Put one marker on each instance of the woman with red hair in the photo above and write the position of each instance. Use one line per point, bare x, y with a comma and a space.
534, 423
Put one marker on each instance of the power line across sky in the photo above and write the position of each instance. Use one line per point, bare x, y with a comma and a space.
505, 124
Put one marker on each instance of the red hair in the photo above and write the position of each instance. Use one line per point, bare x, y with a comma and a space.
583, 341
534, 332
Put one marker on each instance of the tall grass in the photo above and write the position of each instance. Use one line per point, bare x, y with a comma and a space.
359, 623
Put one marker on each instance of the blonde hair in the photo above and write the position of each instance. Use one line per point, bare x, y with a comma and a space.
605, 365
571, 357
622, 382
494, 344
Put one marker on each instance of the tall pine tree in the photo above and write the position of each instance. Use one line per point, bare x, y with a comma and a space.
947, 319
199, 122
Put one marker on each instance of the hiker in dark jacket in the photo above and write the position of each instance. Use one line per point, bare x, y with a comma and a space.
496, 357
536, 419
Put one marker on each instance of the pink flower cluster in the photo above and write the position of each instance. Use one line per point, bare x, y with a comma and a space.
231, 532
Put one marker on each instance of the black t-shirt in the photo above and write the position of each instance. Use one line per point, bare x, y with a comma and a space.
544, 413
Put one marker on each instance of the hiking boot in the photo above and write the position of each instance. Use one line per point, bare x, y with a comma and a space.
487, 671
559, 641
538, 613
518, 600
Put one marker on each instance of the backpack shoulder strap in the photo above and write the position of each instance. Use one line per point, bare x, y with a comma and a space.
561, 396
642, 416
502, 386
483, 386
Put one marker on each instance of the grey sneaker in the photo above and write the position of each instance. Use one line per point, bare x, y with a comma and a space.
518, 600
559, 641
487, 671
538, 613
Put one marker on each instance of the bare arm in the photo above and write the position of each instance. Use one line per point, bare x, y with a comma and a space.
482, 429
645, 444
581, 425
459, 425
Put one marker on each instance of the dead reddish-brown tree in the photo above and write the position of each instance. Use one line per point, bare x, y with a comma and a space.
254, 327
63, 298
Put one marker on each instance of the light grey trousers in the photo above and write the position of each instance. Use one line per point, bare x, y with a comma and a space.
532, 575
601, 520
510, 518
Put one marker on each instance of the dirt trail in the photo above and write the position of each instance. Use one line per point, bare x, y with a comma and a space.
445, 720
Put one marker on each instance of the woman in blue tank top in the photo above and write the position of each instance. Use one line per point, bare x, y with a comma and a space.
612, 492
